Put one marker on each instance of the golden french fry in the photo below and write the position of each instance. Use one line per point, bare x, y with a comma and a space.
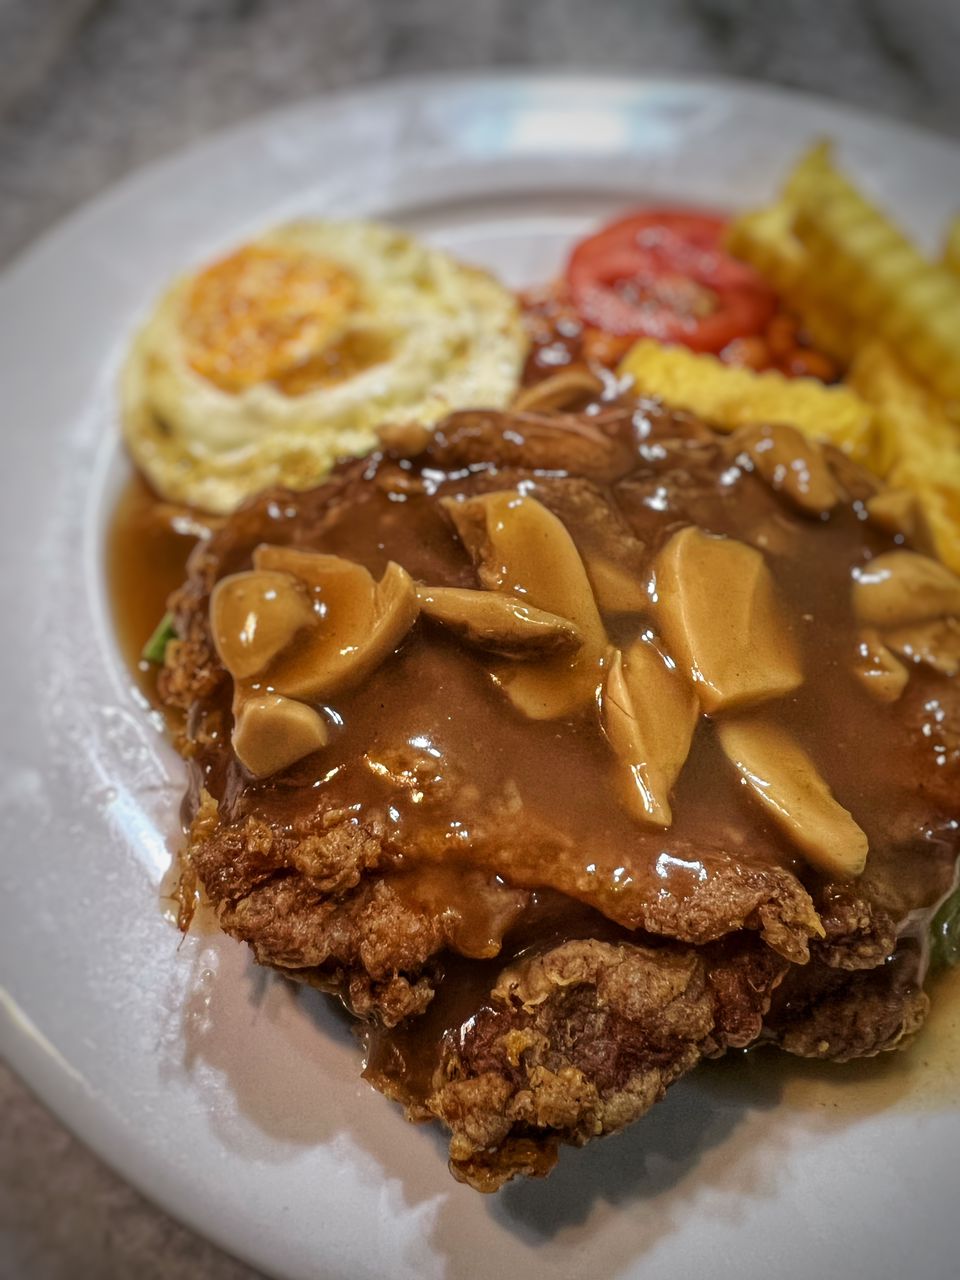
765, 237
813, 165
862, 291
934, 476
729, 397
830, 327
951, 246
916, 444
767, 240
883, 279
906, 410
848, 272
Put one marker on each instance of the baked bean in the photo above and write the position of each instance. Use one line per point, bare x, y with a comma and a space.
804, 362
781, 335
605, 348
747, 353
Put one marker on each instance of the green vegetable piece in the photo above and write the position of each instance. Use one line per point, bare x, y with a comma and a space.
945, 933
156, 646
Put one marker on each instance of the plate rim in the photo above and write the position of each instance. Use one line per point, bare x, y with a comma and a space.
437, 82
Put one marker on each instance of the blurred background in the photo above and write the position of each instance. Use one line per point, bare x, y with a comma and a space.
91, 89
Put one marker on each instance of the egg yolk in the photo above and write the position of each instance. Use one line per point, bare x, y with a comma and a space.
262, 314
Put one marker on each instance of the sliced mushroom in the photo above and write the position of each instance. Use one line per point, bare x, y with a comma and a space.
560, 391
880, 672
306, 625
898, 512
317, 569
255, 616
784, 780
720, 618
900, 588
567, 442
649, 716
500, 624
404, 439
271, 733
792, 465
362, 623
774, 533
931, 644
616, 589
521, 549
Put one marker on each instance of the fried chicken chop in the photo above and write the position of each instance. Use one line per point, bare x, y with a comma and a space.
581, 792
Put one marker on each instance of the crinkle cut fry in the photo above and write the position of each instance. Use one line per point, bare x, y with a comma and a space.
730, 398
883, 278
916, 444
951, 247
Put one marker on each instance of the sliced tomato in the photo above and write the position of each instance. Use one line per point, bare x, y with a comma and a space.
663, 273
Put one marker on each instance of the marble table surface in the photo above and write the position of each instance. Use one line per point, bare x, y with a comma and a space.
90, 89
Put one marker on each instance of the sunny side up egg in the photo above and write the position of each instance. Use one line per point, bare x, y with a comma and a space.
267, 366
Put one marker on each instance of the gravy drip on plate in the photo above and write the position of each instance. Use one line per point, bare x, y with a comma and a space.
148, 544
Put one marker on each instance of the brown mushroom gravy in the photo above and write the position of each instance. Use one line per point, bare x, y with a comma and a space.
518, 828
148, 544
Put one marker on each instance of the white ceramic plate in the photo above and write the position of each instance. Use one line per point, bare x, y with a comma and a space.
230, 1099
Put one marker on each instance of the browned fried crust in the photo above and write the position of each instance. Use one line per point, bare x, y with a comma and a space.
584, 1037
296, 897
857, 933
582, 1040
824, 1013
308, 898
319, 860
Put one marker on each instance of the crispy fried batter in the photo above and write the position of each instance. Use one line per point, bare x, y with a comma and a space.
858, 934
592, 995
825, 1013
582, 1040
769, 900
371, 947
313, 897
